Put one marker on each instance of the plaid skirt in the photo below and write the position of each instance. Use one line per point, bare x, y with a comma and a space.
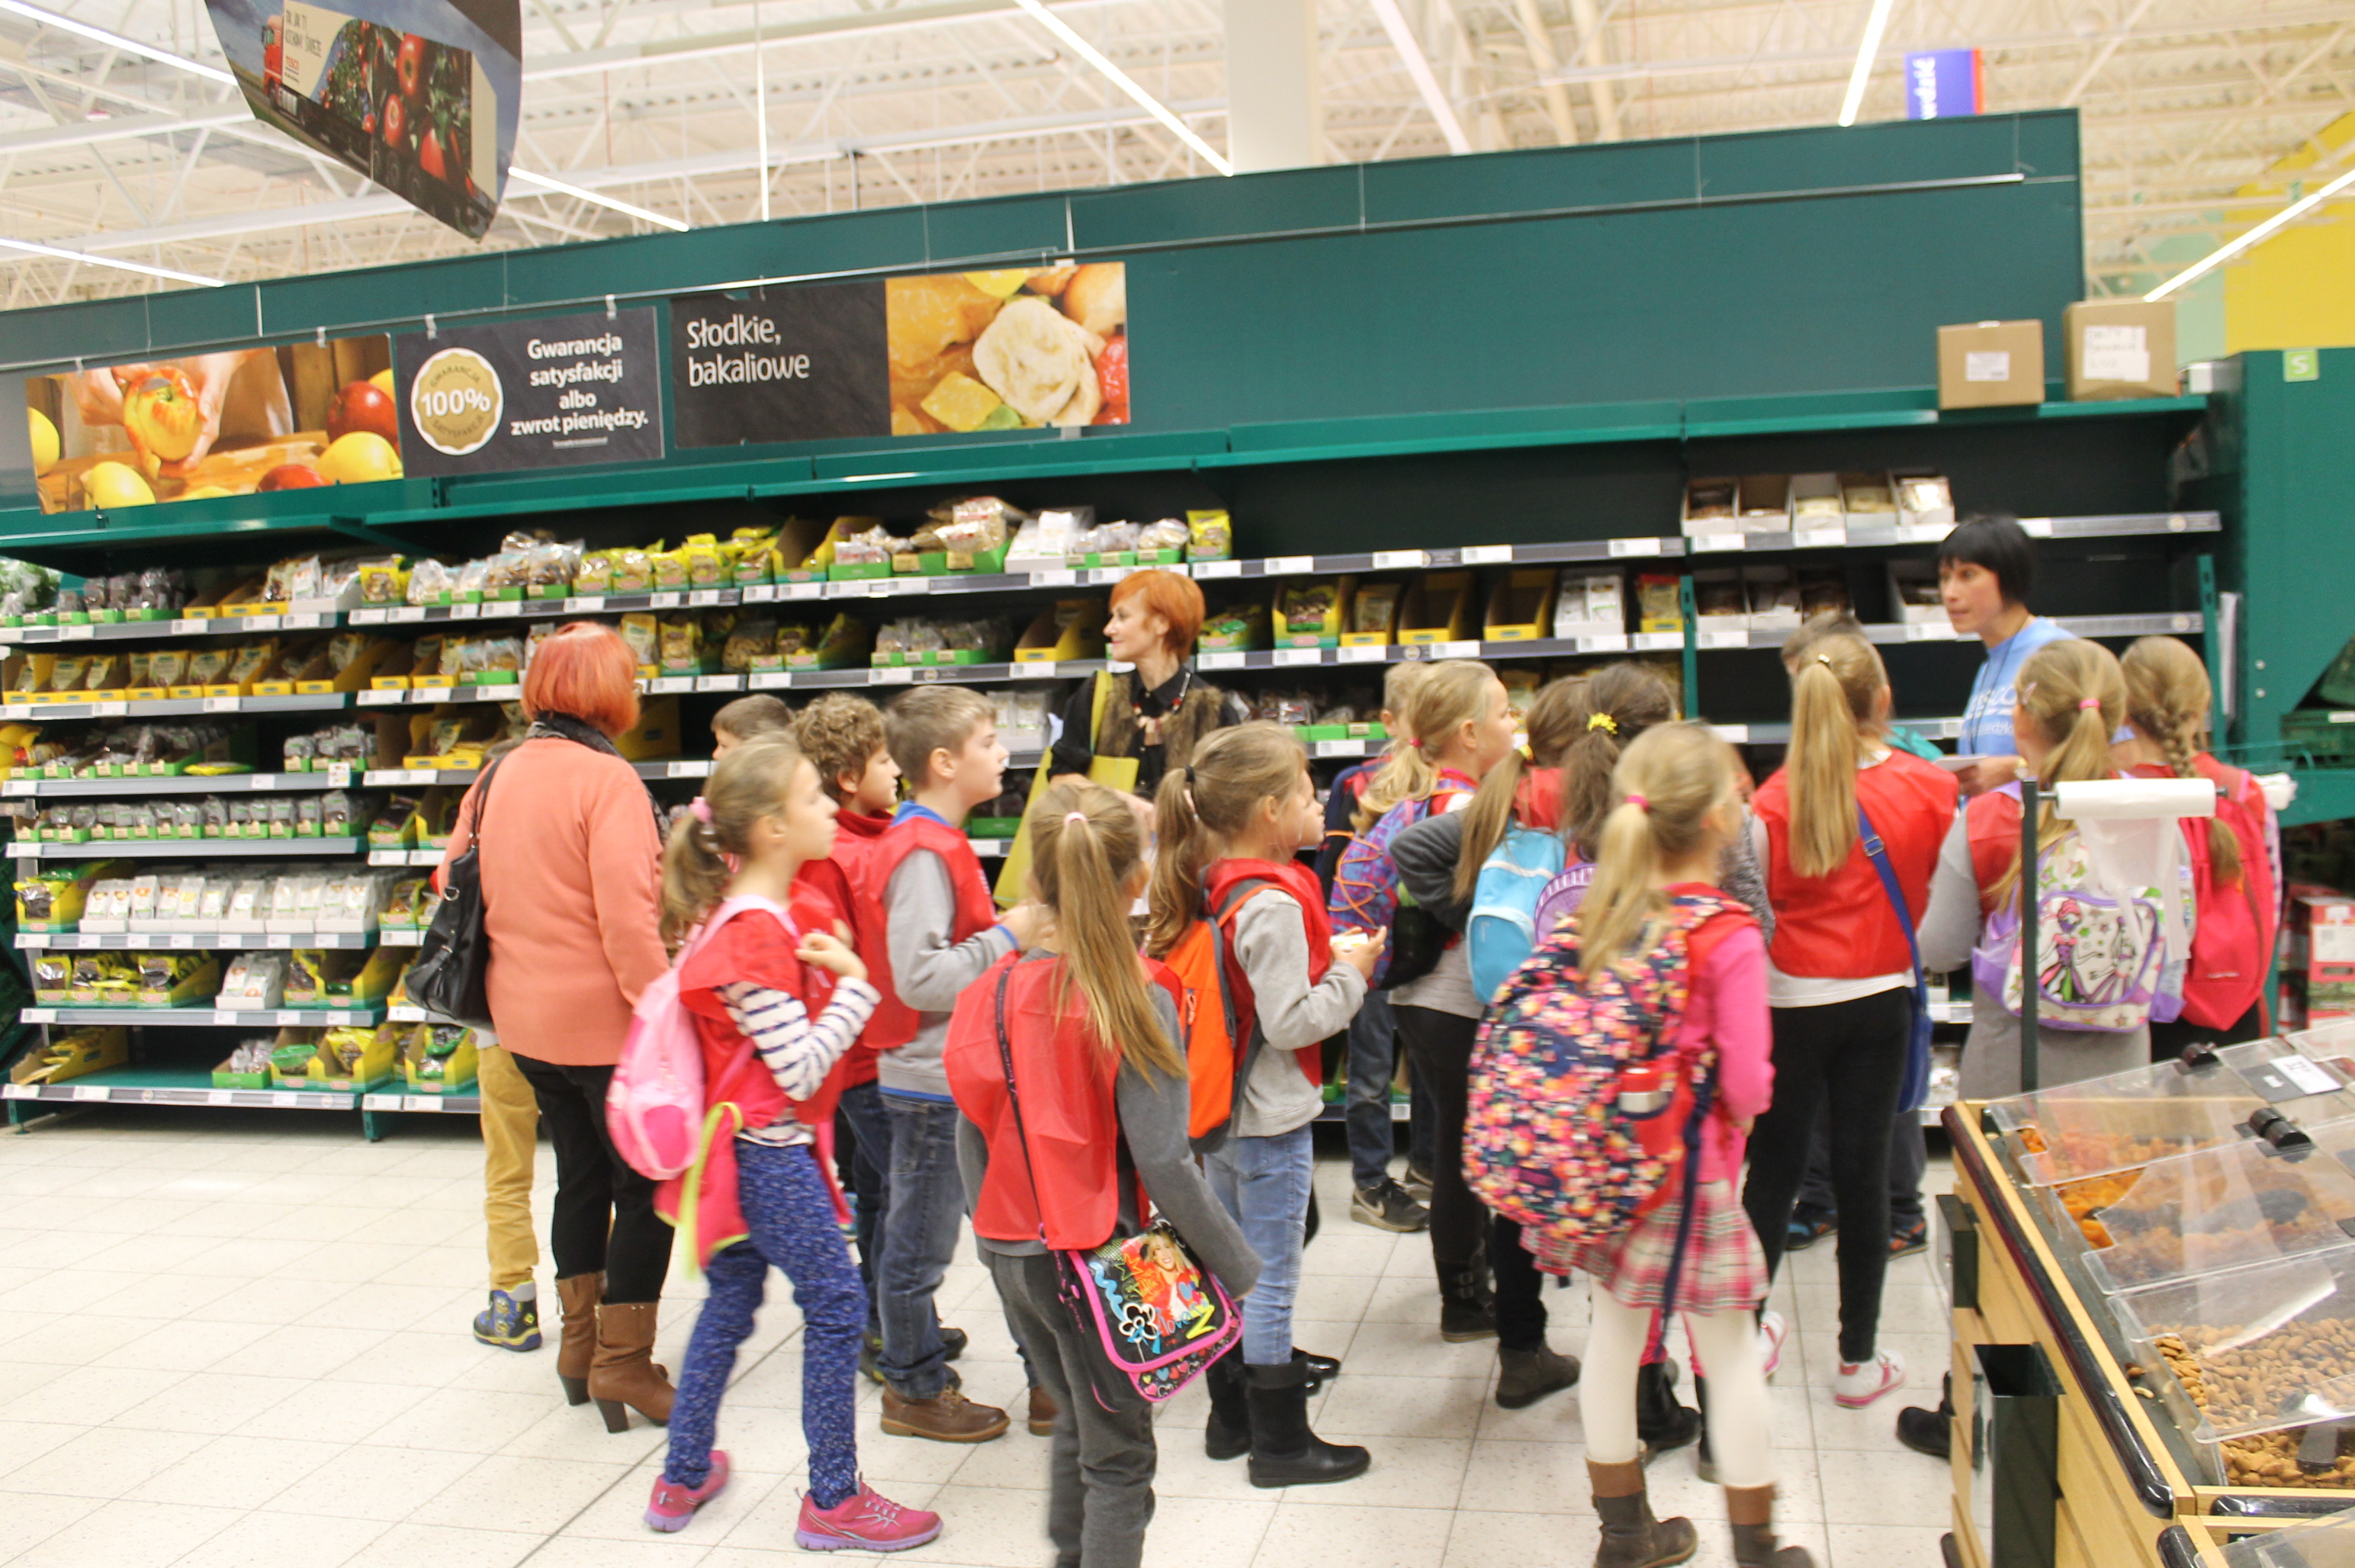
1723, 1269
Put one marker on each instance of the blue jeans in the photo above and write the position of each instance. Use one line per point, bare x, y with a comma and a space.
919, 1238
1263, 1184
861, 1125
1373, 1060
791, 1219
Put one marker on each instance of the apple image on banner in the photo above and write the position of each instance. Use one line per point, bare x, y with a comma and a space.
455, 401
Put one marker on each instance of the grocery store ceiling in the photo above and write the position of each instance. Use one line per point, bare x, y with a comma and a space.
657, 105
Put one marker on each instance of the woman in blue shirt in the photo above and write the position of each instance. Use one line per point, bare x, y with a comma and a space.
1984, 567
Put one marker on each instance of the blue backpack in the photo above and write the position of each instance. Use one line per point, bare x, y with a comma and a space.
1503, 925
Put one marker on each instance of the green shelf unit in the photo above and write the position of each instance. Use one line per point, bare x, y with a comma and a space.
140, 1084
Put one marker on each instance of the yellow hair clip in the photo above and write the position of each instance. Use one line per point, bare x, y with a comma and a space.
1603, 722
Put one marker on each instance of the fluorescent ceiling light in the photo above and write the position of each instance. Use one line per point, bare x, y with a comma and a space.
590, 195
1122, 79
117, 41
1417, 65
64, 255
2232, 248
1866, 48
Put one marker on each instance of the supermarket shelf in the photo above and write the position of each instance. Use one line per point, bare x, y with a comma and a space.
1780, 734
178, 784
2177, 622
314, 619
455, 1104
421, 778
182, 849
140, 1085
425, 857
178, 707
433, 696
399, 936
203, 940
542, 609
204, 1016
910, 674
989, 848
1869, 536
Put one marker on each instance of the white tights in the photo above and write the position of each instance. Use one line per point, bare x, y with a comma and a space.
1724, 1342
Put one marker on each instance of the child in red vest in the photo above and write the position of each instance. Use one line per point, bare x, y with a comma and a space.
761, 1198
1092, 1030
1230, 825
1678, 808
943, 932
842, 735
1841, 973
2235, 854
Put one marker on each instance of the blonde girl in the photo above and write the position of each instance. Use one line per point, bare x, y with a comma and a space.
2071, 699
1091, 1029
775, 1010
1660, 844
1230, 825
1458, 726
1841, 975
2235, 854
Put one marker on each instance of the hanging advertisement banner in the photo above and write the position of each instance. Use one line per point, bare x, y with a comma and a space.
545, 393
1020, 349
1941, 84
421, 96
226, 423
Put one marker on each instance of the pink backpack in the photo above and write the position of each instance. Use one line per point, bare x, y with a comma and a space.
654, 1106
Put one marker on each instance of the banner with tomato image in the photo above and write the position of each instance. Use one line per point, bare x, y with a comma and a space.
420, 96
226, 423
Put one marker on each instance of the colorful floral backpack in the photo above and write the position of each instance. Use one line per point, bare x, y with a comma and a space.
1581, 1113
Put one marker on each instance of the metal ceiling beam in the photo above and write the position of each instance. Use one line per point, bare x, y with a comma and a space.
1418, 70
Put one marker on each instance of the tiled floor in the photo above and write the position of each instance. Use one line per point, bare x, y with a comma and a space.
240, 1339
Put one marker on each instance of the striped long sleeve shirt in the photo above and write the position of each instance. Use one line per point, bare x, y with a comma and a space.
798, 1051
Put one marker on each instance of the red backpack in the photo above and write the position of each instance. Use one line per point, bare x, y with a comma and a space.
2233, 940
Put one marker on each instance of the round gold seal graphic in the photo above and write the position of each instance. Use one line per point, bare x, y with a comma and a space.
455, 400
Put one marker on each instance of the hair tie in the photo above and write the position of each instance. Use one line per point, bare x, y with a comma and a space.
1640, 804
1071, 816
1415, 741
1825, 660
2084, 702
702, 810
1603, 722
1189, 775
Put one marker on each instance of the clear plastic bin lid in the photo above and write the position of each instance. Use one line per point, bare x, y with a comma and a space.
2248, 1202
2130, 1119
2326, 1542
2251, 1350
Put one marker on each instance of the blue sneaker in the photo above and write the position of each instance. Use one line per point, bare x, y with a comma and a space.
510, 1322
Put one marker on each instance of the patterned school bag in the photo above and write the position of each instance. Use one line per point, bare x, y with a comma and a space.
1581, 1115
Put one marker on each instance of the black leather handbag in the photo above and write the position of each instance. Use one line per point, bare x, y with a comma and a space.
451, 979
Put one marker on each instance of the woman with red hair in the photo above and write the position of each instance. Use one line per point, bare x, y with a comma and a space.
570, 852
1157, 711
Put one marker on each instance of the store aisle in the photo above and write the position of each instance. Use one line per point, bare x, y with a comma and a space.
234, 1340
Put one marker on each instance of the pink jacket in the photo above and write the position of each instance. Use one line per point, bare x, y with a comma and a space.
1726, 1006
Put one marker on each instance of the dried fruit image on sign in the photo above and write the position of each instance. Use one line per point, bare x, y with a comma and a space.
229, 423
1015, 350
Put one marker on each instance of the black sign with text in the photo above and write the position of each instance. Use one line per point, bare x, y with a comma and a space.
799, 364
530, 394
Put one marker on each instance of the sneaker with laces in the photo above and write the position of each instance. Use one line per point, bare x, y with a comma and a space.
673, 1503
1860, 1383
866, 1521
1387, 1207
1771, 1330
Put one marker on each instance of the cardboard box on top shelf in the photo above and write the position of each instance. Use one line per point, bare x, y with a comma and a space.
1815, 503
1309, 613
1913, 599
1764, 502
656, 733
1521, 605
1709, 507
822, 562
1590, 604
1718, 599
1991, 363
1437, 608
1374, 617
1067, 629
2120, 348
1926, 498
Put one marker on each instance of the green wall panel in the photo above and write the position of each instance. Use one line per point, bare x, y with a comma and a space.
1028, 226
1196, 211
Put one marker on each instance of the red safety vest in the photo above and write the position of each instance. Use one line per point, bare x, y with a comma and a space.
895, 1023
1301, 882
1840, 926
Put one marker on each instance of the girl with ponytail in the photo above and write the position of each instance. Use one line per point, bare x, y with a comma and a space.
1090, 1028
1654, 901
2235, 855
2071, 700
1840, 973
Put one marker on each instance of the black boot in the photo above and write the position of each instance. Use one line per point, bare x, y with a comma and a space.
1284, 1452
1704, 1462
1930, 1432
1467, 1307
1525, 1377
1322, 1369
1227, 1434
1662, 1421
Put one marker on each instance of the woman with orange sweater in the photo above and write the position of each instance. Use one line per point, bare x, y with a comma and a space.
573, 906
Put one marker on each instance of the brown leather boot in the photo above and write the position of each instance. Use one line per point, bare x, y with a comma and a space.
1631, 1538
946, 1417
625, 1377
1043, 1411
576, 1352
1751, 1511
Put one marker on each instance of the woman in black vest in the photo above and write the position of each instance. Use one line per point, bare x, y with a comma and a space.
1158, 711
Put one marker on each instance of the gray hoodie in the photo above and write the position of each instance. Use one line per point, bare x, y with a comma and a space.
927, 970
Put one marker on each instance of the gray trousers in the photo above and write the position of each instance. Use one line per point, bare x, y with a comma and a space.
1100, 1485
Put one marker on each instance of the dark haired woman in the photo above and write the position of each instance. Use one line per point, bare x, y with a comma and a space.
1985, 568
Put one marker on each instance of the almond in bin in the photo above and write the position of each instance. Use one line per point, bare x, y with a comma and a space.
2235, 1386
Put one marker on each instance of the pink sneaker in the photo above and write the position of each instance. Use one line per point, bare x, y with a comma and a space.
673, 1504
1771, 1331
866, 1520
1860, 1382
